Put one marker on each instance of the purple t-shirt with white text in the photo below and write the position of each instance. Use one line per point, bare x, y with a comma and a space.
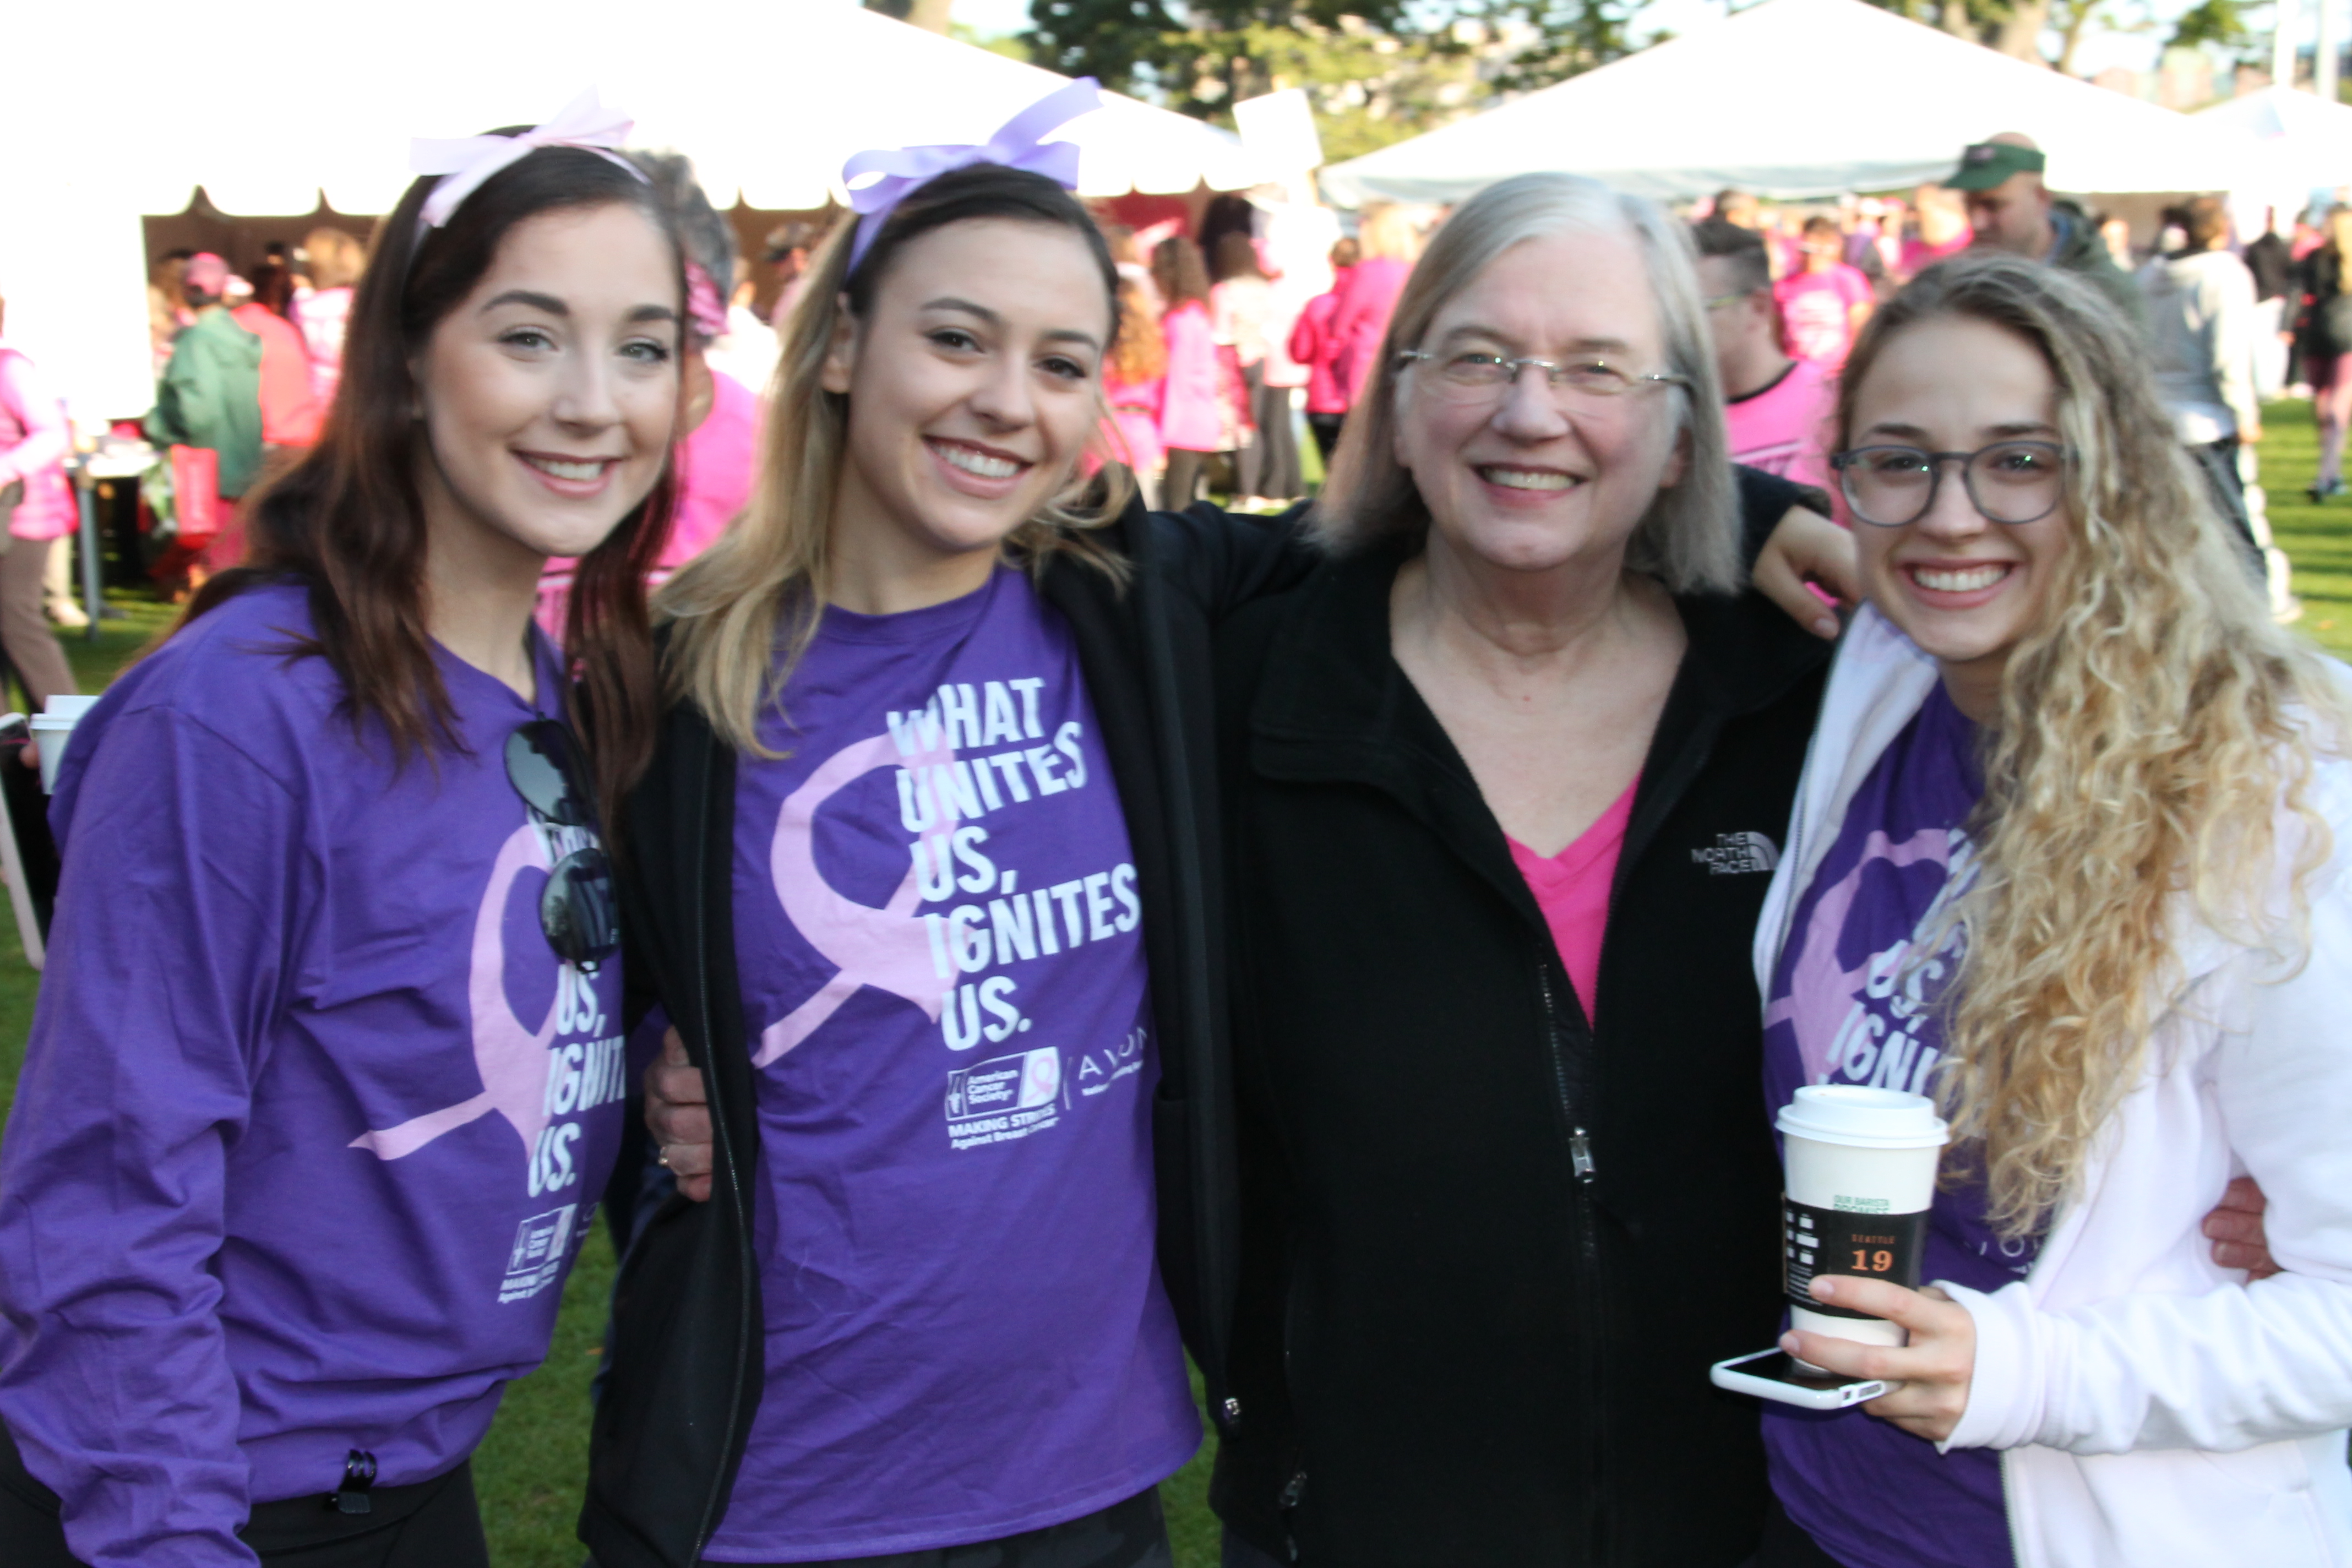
1853, 1003
312, 1118
939, 938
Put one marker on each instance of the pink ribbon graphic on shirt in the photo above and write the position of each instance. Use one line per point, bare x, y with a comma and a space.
1819, 986
511, 1059
886, 948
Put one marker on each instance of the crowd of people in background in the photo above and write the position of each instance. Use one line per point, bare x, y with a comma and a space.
1538, 693
1231, 351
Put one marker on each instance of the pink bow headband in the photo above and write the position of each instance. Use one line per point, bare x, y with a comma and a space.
1017, 144
464, 162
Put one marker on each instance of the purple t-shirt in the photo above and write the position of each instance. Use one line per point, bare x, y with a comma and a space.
1852, 1002
938, 937
313, 1117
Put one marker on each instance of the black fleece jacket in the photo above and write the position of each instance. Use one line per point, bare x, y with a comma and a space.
1491, 1250
686, 1370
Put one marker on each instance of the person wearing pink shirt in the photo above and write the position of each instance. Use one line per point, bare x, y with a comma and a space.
37, 503
1944, 231
1135, 382
1824, 305
718, 457
336, 260
1775, 406
1360, 320
1311, 346
1193, 420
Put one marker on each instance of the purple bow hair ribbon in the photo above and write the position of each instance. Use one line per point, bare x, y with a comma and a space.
1017, 144
464, 162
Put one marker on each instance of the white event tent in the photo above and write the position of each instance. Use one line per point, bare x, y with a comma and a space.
2293, 143
1796, 99
768, 97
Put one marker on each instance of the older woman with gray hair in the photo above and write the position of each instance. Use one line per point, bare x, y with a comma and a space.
1522, 746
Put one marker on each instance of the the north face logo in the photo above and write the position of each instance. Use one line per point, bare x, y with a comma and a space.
1736, 853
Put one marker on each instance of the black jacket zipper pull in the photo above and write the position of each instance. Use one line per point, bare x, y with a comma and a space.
1580, 1154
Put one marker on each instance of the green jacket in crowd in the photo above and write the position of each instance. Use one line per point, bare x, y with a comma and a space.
2081, 251
211, 396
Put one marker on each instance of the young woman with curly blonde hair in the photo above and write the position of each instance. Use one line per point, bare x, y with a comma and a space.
2068, 855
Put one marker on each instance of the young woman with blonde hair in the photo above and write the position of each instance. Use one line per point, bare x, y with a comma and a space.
2069, 853
927, 874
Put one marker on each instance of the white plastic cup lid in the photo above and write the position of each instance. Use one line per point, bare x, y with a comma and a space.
1863, 1118
68, 707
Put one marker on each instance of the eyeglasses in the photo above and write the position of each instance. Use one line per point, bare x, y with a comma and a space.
577, 910
1470, 377
2011, 482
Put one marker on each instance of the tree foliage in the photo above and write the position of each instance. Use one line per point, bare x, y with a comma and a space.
1375, 70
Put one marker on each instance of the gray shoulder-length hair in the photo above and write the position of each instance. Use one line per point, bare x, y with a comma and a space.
1689, 538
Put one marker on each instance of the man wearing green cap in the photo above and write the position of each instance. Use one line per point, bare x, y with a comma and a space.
2013, 210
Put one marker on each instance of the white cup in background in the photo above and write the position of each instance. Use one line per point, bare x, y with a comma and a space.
1861, 1173
52, 728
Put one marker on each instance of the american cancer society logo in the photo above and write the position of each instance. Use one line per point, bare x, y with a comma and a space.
537, 1260
1004, 1097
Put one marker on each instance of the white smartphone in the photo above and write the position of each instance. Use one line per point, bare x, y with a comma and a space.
1776, 1375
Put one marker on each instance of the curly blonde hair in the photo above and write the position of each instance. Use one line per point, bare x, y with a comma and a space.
2155, 732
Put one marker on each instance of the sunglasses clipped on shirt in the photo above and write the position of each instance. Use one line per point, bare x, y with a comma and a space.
577, 912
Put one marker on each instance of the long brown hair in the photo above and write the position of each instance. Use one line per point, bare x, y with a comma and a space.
1141, 352
348, 523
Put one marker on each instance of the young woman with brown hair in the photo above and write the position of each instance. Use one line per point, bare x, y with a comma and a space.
327, 1067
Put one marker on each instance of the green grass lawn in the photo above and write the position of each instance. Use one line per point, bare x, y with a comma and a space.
529, 1470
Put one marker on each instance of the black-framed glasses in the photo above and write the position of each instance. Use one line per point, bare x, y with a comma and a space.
578, 912
2011, 482
1477, 376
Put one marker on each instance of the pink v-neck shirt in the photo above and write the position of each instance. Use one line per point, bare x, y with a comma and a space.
1572, 888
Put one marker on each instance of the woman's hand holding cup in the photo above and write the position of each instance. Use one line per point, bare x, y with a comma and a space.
1931, 1376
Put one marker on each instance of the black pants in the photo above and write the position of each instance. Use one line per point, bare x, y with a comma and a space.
432, 1524
1184, 470
1326, 428
1786, 1545
2217, 461
1269, 465
1130, 1534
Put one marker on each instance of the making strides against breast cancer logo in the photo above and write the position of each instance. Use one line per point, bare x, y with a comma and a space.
539, 1080
934, 943
1882, 1001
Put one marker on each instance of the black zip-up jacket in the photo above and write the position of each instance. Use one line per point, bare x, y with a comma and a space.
1491, 1250
687, 1366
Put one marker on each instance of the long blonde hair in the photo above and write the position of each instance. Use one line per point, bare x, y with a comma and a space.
761, 583
2153, 725
2340, 236
1386, 232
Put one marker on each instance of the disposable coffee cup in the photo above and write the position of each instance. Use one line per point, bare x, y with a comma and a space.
52, 728
1861, 1173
